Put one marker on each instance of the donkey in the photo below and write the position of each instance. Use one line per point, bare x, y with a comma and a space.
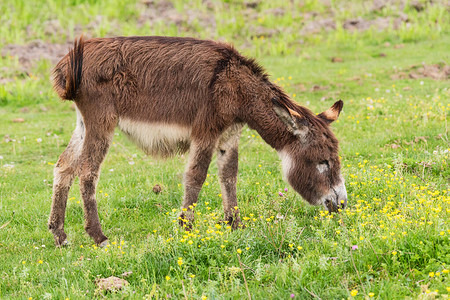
170, 95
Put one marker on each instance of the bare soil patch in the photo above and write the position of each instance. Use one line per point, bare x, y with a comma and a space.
440, 71
316, 26
380, 23
164, 12
34, 51
110, 284
191, 20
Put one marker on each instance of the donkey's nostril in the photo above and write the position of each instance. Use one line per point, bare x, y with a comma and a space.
329, 205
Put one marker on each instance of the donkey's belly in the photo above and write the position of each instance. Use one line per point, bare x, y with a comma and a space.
160, 139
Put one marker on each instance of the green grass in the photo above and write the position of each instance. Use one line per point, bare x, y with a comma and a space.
392, 241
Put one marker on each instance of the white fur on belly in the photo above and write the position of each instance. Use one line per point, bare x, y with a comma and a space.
157, 138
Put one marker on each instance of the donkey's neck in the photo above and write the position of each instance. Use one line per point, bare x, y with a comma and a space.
262, 118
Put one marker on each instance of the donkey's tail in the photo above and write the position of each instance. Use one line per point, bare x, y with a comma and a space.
67, 73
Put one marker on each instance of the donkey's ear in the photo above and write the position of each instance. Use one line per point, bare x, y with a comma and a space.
332, 113
292, 119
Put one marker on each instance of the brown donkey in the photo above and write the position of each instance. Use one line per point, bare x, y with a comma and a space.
170, 95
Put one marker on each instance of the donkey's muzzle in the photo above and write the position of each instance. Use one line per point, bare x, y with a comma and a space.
334, 205
337, 199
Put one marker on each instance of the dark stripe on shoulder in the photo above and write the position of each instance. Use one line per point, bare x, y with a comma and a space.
228, 53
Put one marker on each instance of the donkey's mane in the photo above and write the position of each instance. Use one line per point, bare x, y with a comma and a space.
230, 52
303, 111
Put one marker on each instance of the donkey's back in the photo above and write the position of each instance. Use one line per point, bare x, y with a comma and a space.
160, 90
153, 78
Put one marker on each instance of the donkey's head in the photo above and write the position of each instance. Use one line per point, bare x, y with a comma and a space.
310, 159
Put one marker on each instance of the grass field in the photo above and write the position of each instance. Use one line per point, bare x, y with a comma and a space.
391, 242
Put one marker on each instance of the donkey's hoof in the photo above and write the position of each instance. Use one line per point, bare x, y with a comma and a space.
64, 243
238, 225
104, 244
234, 222
186, 221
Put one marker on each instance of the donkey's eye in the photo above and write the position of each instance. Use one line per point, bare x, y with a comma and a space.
323, 166
325, 162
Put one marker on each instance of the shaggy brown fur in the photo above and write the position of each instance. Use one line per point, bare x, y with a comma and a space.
173, 94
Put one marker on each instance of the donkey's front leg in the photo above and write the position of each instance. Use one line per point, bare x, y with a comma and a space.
195, 175
227, 161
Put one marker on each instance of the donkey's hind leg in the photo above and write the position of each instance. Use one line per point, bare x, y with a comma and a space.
227, 161
64, 173
99, 134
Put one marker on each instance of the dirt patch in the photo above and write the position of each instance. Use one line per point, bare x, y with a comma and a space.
357, 24
261, 31
418, 6
252, 4
380, 23
190, 20
300, 87
37, 50
110, 284
34, 51
316, 88
164, 12
439, 71
317, 26
379, 5
277, 11
5, 80
399, 144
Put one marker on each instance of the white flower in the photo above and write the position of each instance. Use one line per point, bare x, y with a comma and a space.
39, 140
